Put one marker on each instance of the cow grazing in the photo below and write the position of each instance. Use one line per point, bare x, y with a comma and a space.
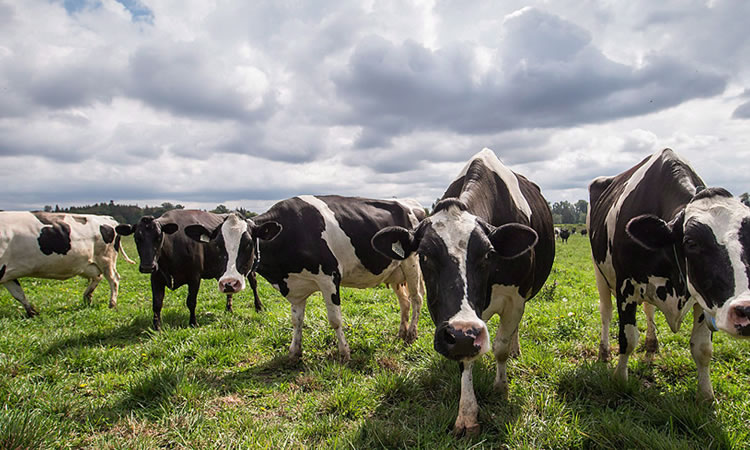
583, 232
486, 249
687, 247
58, 246
323, 244
173, 259
564, 235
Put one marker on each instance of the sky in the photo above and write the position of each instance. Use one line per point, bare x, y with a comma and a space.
244, 103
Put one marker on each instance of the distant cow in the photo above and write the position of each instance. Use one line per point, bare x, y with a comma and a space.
557, 232
323, 243
564, 235
685, 247
486, 249
173, 259
58, 246
583, 232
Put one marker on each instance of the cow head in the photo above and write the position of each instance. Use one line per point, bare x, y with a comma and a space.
235, 239
712, 238
148, 234
457, 253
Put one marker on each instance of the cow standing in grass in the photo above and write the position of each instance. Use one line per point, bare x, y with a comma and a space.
687, 247
486, 249
58, 246
173, 259
323, 243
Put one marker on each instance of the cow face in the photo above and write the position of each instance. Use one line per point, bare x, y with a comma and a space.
149, 237
236, 241
457, 253
713, 234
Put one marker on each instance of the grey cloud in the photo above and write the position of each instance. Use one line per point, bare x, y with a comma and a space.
742, 111
531, 85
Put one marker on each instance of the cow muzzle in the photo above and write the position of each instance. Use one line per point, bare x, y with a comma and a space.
146, 268
230, 285
460, 342
739, 317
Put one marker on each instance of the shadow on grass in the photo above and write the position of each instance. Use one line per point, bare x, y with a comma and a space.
613, 414
418, 410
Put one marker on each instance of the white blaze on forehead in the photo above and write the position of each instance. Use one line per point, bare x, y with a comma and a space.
724, 216
509, 178
232, 230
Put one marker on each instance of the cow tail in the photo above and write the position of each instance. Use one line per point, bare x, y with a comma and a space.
121, 249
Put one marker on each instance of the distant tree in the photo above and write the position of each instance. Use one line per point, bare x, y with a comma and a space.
566, 211
47, 208
582, 207
220, 209
745, 198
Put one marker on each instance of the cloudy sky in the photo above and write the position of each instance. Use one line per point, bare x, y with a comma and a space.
248, 102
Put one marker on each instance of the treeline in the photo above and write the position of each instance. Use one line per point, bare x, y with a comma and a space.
131, 213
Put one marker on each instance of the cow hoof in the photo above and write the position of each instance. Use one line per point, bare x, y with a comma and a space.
345, 357
157, 325
704, 398
112, 305
193, 324
229, 309
464, 430
258, 308
31, 312
603, 354
294, 358
501, 388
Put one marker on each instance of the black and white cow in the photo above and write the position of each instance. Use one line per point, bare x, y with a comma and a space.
58, 246
564, 235
486, 249
173, 259
323, 244
687, 247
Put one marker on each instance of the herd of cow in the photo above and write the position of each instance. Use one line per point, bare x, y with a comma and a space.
658, 237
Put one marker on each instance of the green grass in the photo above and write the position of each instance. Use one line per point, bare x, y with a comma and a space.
88, 376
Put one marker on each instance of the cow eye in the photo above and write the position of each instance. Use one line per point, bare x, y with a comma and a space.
690, 245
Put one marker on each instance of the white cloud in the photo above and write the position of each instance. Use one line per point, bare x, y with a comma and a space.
245, 103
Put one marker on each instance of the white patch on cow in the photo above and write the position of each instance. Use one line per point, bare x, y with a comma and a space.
671, 306
488, 157
454, 228
724, 216
353, 273
232, 230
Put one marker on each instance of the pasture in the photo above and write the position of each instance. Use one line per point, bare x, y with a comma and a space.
88, 376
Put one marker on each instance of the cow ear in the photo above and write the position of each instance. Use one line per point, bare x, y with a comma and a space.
653, 232
266, 231
169, 228
125, 229
513, 239
395, 242
198, 233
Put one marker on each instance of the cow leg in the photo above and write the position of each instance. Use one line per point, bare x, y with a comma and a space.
113, 278
628, 336
298, 317
510, 317
468, 408
192, 300
251, 278
157, 297
15, 289
605, 313
403, 303
229, 303
93, 283
415, 287
702, 349
652, 344
331, 293
515, 346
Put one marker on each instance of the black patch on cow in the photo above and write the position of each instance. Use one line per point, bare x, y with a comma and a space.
714, 280
360, 219
80, 219
336, 298
55, 238
108, 233
744, 237
299, 246
2, 272
628, 289
663, 292
447, 203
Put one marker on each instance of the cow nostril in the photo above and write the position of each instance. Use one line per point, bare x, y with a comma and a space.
743, 312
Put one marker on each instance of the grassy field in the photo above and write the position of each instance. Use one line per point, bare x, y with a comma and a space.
88, 376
